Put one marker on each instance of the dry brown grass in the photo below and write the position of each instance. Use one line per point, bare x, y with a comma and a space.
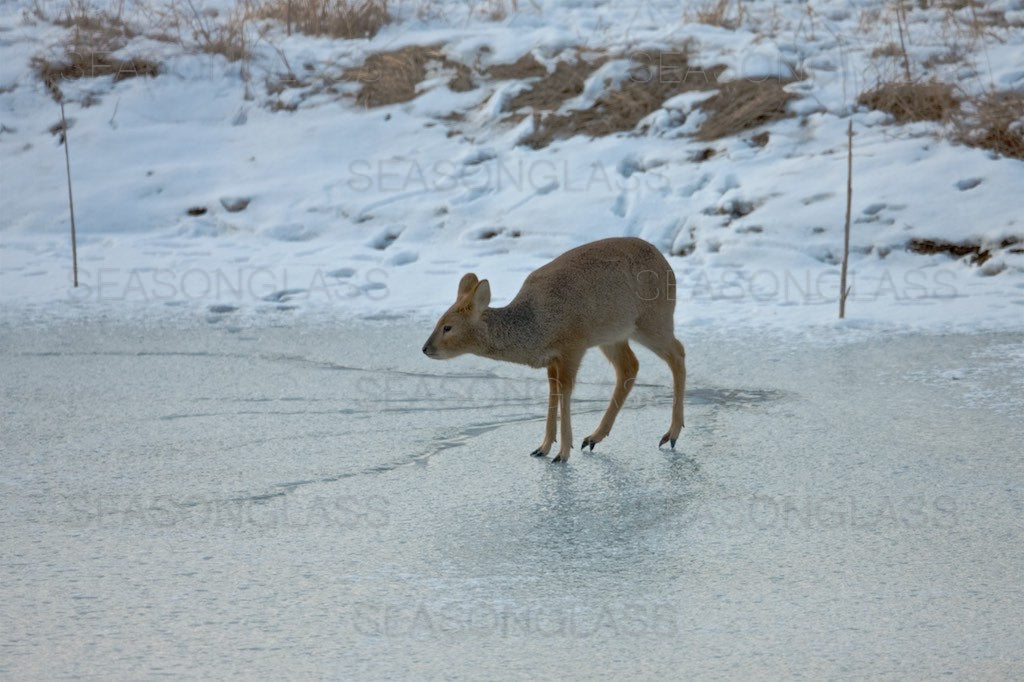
95, 35
496, 10
887, 50
526, 66
952, 55
189, 24
725, 13
959, 34
737, 107
994, 121
392, 77
462, 81
92, 30
554, 88
335, 18
742, 105
90, 64
656, 78
82, 16
908, 101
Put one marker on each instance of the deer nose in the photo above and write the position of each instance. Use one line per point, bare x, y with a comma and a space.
426, 349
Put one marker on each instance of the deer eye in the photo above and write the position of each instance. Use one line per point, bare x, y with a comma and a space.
445, 329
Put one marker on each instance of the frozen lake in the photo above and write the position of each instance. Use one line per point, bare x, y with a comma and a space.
213, 500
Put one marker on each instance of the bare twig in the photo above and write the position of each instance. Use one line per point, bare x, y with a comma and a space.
844, 291
988, 60
200, 24
71, 200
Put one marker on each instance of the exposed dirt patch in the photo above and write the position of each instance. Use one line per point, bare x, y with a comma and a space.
703, 155
978, 254
462, 81
60, 128
907, 102
736, 209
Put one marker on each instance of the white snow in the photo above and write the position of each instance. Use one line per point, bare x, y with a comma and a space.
403, 199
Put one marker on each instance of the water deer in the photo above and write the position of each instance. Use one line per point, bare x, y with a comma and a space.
599, 294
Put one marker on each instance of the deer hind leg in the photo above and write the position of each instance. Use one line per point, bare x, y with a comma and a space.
565, 375
552, 418
626, 366
669, 349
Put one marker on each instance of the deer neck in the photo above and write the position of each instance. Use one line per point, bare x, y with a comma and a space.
512, 334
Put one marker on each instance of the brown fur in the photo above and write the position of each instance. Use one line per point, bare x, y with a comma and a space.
600, 294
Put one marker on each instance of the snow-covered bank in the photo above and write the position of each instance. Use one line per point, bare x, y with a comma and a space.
192, 199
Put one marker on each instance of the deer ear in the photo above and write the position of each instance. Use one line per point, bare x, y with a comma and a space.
481, 297
466, 284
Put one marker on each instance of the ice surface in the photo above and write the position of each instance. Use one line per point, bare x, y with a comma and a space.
317, 500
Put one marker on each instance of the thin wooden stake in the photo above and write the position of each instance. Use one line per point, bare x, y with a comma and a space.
843, 290
71, 199
901, 21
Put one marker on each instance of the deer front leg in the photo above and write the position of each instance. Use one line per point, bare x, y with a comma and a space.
565, 370
552, 420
